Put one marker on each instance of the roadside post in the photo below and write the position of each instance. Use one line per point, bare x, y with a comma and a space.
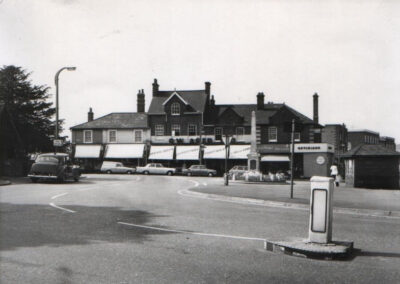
227, 141
321, 210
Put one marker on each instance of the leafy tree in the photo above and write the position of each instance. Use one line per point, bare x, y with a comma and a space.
29, 106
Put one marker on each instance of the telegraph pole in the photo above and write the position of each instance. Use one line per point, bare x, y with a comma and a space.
292, 159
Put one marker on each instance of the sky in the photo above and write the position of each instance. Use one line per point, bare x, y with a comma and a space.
346, 51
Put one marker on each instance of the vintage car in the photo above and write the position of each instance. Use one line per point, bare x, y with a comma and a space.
115, 168
238, 170
199, 170
155, 168
54, 166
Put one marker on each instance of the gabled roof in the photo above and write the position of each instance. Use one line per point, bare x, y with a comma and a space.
177, 95
304, 119
197, 99
116, 120
370, 150
245, 110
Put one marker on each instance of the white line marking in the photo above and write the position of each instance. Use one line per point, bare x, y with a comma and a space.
65, 209
196, 184
59, 195
204, 183
192, 233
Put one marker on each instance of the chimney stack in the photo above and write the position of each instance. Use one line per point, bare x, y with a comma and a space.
260, 101
212, 101
208, 88
315, 117
155, 88
140, 101
90, 115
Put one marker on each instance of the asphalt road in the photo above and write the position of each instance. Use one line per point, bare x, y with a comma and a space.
139, 229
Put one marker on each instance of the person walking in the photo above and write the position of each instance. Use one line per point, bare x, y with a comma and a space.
334, 173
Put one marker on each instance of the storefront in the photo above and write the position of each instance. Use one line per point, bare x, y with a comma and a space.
128, 154
88, 157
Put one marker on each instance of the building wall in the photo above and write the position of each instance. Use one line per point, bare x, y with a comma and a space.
362, 137
377, 172
337, 136
100, 136
312, 168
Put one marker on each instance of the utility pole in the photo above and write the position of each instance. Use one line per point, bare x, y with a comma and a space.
292, 159
227, 145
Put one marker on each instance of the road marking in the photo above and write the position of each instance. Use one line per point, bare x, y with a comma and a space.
59, 195
196, 184
192, 233
204, 183
65, 209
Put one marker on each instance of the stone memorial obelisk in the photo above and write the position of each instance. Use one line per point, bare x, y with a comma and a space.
253, 158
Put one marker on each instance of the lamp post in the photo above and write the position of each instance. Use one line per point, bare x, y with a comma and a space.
56, 82
227, 142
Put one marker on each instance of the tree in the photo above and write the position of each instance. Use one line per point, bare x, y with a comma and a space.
28, 105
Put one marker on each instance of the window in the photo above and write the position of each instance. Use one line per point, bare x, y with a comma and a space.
138, 136
112, 136
159, 130
88, 136
239, 133
272, 134
218, 133
192, 129
175, 130
175, 109
297, 137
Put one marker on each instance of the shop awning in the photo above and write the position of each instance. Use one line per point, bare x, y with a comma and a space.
239, 151
87, 151
187, 152
161, 153
275, 158
124, 151
214, 152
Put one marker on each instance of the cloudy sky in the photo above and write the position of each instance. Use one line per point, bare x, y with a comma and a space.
347, 51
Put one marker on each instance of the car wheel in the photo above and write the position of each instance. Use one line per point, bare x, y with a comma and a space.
169, 173
108, 172
34, 180
146, 172
189, 174
129, 172
76, 179
210, 174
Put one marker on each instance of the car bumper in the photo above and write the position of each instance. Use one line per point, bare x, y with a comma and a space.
43, 176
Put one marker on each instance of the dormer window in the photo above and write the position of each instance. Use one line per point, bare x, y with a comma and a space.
175, 109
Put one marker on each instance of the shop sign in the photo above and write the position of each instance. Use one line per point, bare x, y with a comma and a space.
271, 148
313, 148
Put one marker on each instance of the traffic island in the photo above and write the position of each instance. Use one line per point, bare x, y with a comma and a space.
305, 248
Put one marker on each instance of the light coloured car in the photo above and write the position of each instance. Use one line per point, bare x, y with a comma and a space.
155, 168
199, 170
238, 170
110, 167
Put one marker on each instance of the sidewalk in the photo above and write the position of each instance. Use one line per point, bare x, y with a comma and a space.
344, 197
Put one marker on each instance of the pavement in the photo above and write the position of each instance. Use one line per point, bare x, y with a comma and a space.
346, 199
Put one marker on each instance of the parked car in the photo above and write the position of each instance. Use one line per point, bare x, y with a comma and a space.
54, 166
155, 168
199, 170
115, 168
238, 170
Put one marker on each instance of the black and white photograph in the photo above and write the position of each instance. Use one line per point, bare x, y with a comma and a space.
188, 141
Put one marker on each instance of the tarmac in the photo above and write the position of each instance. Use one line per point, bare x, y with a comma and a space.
347, 200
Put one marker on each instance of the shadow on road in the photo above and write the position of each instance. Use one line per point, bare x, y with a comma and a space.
41, 225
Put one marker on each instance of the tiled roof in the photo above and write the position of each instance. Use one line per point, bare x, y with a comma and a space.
116, 120
304, 119
245, 110
197, 100
370, 150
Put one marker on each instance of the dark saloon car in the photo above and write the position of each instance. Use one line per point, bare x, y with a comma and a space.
54, 166
199, 170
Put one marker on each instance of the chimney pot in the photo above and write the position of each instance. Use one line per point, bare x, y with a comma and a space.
260, 101
315, 106
140, 101
90, 115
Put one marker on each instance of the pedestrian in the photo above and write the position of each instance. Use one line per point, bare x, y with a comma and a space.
334, 173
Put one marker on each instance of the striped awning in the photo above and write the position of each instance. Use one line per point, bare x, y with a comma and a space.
161, 153
214, 152
124, 151
187, 152
239, 151
87, 151
275, 158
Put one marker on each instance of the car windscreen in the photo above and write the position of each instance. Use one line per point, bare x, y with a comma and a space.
47, 159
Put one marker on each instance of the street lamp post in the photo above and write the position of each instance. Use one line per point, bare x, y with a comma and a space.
56, 82
227, 146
